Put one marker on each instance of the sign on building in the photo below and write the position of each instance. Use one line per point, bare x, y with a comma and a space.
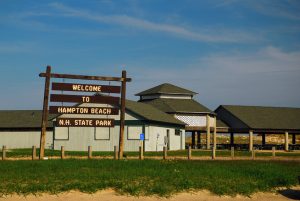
82, 89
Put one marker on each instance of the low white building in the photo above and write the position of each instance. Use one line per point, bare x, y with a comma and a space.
21, 129
160, 130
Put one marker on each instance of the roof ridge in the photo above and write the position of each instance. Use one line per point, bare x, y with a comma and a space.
168, 104
166, 88
175, 121
261, 106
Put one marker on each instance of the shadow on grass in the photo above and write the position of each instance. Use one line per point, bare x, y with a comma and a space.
290, 193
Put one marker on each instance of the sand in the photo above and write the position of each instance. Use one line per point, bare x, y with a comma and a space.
111, 195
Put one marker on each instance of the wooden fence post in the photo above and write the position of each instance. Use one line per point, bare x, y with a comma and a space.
165, 153
253, 154
90, 152
4, 152
232, 152
141, 157
62, 154
273, 152
213, 153
33, 152
115, 152
189, 153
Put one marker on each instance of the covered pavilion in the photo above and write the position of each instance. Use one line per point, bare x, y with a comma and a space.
263, 121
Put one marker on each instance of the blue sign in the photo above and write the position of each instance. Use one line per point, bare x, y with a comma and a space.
142, 136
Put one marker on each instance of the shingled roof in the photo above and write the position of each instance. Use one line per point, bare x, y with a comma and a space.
151, 113
178, 105
31, 119
222, 124
258, 117
166, 88
22, 119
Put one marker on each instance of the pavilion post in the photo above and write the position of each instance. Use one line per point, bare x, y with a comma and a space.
294, 139
207, 131
198, 140
193, 139
215, 138
232, 152
231, 139
250, 140
263, 139
286, 141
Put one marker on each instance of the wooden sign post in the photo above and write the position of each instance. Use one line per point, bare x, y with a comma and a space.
79, 99
122, 115
45, 113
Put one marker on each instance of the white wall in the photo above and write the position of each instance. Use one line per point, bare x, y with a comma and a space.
156, 138
102, 139
195, 120
24, 139
168, 96
79, 138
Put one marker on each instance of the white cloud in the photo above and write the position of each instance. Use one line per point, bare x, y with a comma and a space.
206, 35
267, 77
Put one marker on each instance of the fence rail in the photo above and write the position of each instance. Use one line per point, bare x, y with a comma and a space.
188, 154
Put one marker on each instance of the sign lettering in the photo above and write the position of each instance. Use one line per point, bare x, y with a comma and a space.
77, 122
84, 99
85, 87
83, 110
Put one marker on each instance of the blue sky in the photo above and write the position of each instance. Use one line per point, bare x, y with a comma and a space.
230, 52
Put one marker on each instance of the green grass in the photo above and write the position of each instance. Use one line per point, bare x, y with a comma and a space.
196, 153
148, 177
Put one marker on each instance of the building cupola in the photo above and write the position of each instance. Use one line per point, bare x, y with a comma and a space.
165, 91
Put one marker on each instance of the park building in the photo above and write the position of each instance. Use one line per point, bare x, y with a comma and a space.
160, 130
179, 103
21, 129
262, 121
167, 115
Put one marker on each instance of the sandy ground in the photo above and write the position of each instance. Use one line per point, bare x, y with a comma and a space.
111, 195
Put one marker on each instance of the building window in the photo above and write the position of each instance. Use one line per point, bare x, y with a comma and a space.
133, 132
61, 133
103, 133
177, 132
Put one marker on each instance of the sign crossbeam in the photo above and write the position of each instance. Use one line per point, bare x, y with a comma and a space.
85, 87
86, 77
